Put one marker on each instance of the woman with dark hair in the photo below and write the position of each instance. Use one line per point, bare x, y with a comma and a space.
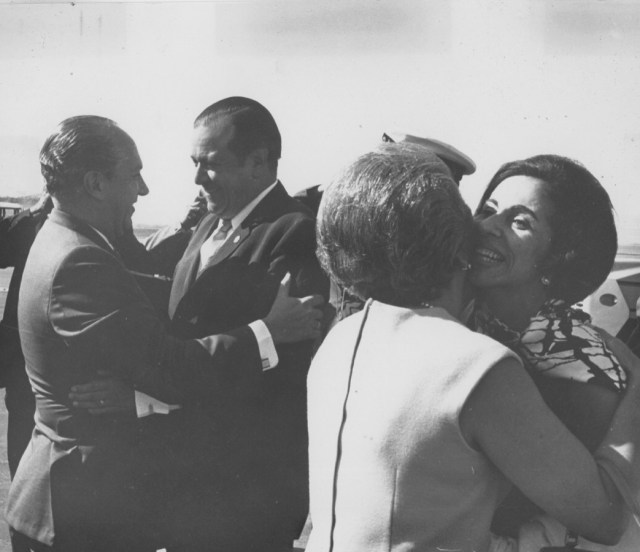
417, 425
547, 239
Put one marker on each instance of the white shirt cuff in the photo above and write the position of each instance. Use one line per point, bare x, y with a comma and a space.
147, 405
266, 346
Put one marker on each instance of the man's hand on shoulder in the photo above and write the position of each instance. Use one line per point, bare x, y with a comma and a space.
293, 319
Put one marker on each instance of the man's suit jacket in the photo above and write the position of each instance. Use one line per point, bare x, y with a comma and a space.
266, 413
80, 311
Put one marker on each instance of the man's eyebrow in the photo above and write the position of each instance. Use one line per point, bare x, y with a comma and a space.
209, 155
200, 157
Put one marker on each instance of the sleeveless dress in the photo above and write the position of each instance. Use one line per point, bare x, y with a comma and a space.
389, 467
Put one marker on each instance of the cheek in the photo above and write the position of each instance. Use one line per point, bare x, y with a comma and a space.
221, 180
531, 256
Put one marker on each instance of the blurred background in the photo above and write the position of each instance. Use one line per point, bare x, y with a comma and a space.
500, 80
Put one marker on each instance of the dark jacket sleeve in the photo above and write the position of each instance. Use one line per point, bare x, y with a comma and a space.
295, 252
16, 236
292, 246
160, 253
96, 304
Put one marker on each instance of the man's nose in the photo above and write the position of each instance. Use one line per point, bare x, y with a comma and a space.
143, 189
201, 177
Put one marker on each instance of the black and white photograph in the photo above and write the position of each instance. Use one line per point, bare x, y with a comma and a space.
322, 276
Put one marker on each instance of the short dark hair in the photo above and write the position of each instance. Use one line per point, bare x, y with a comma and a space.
78, 145
584, 238
392, 224
254, 127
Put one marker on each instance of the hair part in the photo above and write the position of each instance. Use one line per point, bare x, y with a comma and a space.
254, 127
392, 225
584, 239
79, 144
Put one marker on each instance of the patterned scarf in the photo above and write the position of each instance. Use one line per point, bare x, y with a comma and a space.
559, 342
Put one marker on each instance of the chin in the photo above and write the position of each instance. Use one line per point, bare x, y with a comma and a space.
213, 209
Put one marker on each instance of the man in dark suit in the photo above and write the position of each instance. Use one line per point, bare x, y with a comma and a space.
251, 219
81, 485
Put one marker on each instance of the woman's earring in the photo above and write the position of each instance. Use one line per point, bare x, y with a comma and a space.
466, 267
545, 281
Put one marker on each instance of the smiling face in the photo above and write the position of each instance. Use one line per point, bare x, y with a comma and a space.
228, 184
514, 237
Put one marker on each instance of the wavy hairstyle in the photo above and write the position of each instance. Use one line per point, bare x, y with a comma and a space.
78, 145
391, 226
584, 239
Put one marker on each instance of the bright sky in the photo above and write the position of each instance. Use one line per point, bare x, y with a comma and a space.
500, 80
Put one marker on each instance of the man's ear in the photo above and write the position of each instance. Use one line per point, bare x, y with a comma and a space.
94, 184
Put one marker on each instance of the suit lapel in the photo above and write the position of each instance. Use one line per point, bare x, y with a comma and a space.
275, 204
229, 246
271, 206
187, 268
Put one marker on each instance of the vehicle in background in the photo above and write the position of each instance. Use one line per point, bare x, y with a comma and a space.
8, 209
615, 305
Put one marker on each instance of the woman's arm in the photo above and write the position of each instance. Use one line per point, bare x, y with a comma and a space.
507, 419
585, 408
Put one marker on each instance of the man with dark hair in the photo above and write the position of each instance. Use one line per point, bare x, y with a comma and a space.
79, 485
251, 219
